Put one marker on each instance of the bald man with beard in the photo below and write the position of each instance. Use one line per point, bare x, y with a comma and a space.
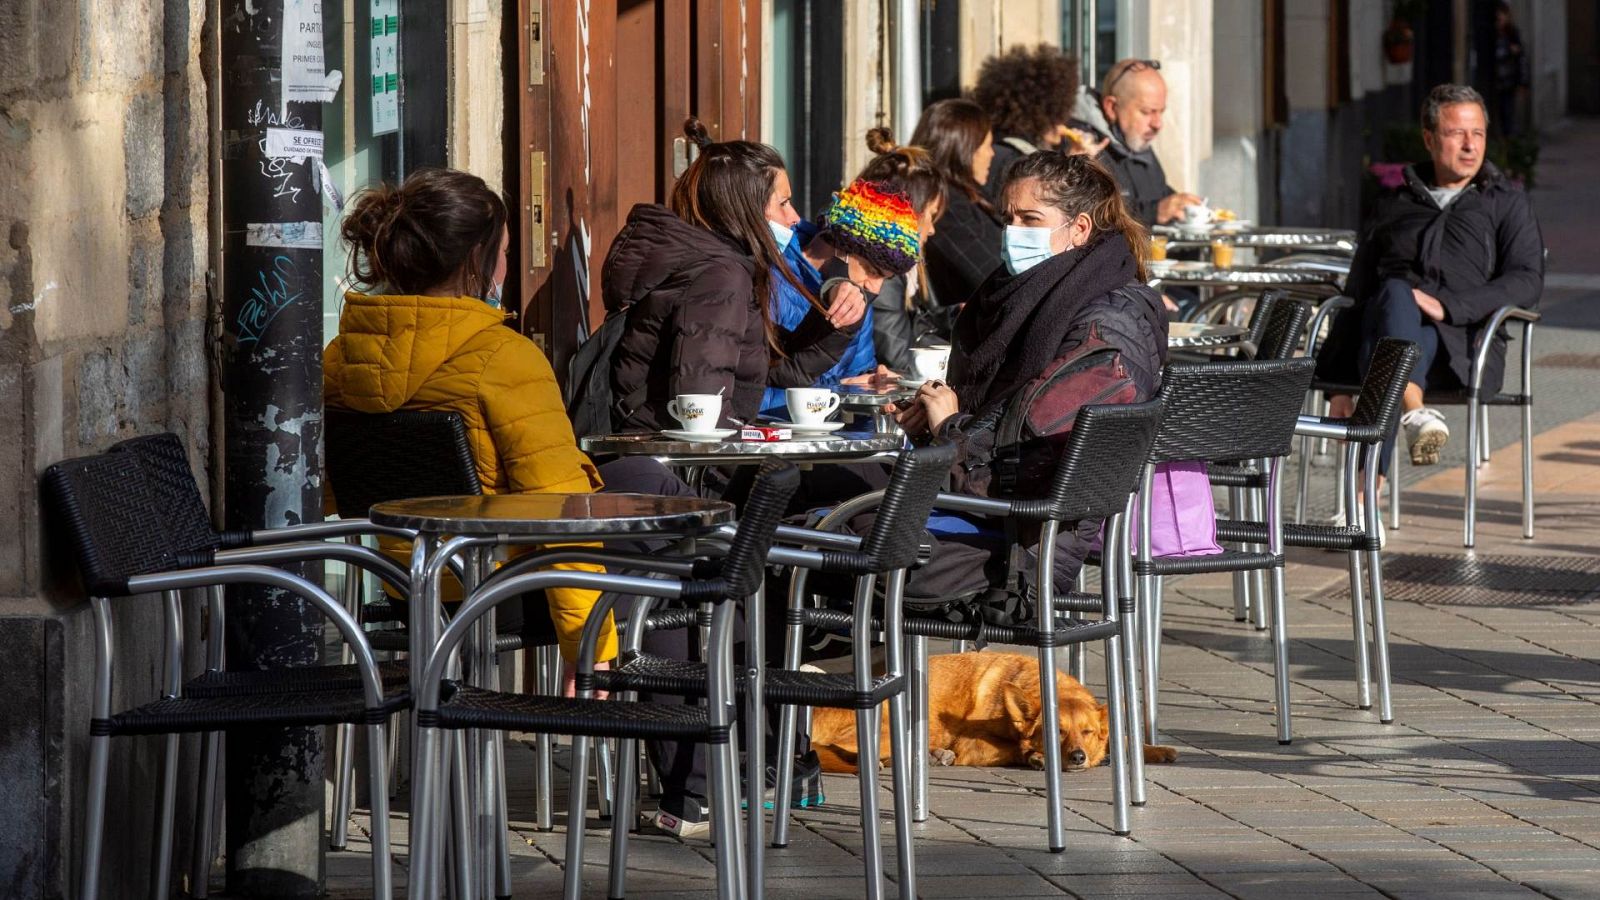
1128, 109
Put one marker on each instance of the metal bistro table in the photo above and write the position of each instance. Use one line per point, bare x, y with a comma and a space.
1265, 237
471, 527
1206, 275
844, 446
1197, 335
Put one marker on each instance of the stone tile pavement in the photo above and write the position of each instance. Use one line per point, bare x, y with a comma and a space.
1486, 786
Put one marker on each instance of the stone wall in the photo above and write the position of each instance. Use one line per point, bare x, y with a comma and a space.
103, 254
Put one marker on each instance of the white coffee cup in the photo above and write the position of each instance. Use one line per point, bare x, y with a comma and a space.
810, 406
930, 363
1197, 214
697, 412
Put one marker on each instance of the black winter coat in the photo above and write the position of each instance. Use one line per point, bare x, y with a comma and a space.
1140, 177
1480, 253
964, 250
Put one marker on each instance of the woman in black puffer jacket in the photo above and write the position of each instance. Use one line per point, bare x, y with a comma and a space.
694, 283
1073, 277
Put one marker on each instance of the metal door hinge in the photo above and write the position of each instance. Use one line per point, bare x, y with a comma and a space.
538, 231
535, 44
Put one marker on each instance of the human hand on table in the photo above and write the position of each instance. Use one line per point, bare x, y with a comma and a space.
923, 414
1429, 304
569, 679
884, 377
1171, 206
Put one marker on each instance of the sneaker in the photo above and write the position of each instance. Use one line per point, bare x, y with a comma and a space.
1338, 521
805, 791
1426, 435
686, 816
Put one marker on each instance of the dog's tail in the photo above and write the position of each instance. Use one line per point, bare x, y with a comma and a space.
836, 759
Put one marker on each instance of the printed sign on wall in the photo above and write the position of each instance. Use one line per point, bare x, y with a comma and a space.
385, 87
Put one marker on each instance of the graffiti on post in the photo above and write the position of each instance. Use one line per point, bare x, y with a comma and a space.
268, 297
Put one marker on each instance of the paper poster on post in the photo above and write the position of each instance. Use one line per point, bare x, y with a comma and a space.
385, 54
294, 143
304, 77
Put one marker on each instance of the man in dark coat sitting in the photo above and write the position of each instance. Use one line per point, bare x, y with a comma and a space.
1441, 253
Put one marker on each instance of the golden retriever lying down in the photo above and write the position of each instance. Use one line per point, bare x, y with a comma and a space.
983, 710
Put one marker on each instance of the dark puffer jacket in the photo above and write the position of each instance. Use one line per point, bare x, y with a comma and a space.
964, 250
693, 324
1480, 253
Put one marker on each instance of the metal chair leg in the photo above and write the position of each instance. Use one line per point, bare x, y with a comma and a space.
788, 721
1280, 624
724, 763
464, 839
623, 815
1358, 616
1050, 716
205, 816
1131, 625
1470, 526
378, 784
94, 819
900, 745
544, 745
1116, 713
1380, 625
1483, 433
162, 875
602, 778
344, 744
1241, 589
1394, 486
917, 687
867, 777
577, 816
1257, 578
502, 820
1527, 469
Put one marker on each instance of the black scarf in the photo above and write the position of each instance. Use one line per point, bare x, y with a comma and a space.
1014, 328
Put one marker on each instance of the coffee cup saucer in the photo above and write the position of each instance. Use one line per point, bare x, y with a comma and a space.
715, 434
813, 428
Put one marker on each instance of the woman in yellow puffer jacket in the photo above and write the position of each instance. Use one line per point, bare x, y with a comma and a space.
430, 335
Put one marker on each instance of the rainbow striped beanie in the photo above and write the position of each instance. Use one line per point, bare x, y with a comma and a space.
874, 221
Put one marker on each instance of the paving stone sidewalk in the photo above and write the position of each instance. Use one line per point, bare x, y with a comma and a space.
1486, 786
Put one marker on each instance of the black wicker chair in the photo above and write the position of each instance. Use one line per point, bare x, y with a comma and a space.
1477, 401
182, 509
893, 544
1222, 411
112, 516
446, 705
1376, 416
1094, 479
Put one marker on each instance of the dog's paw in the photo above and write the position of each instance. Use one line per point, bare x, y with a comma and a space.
1158, 755
1036, 761
942, 757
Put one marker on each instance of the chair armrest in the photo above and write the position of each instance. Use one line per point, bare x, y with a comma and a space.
317, 531
364, 558
1322, 427
1502, 315
983, 506
809, 537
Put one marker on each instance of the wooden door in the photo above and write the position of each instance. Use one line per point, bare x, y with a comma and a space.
602, 91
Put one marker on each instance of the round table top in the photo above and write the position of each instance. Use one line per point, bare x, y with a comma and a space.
554, 515
1240, 276
824, 448
1266, 236
861, 396
1198, 334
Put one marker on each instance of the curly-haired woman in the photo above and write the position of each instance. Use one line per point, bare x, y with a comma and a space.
1028, 93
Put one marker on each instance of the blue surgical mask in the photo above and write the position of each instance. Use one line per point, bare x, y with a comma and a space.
782, 234
493, 297
1026, 247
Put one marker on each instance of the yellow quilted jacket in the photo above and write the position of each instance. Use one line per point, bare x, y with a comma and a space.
455, 354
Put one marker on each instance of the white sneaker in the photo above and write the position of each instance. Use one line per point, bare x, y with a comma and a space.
1337, 520
1426, 435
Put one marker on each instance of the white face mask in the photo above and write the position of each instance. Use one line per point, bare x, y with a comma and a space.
1026, 247
781, 234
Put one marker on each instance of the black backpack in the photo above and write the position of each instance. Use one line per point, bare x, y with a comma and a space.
587, 394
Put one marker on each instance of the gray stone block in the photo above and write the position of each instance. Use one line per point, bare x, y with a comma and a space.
142, 145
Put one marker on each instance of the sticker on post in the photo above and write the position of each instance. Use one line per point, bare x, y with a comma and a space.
294, 143
298, 235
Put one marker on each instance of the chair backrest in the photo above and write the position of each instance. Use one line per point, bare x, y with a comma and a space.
378, 457
1103, 461
1265, 305
745, 564
109, 515
1283, 328
1230, 410
896, 535
1378, 406
177, 495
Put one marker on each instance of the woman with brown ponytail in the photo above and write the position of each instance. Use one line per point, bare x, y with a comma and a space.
1073, 277
426, 332
694, 280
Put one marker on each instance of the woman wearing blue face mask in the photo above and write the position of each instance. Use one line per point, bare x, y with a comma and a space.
1072, 276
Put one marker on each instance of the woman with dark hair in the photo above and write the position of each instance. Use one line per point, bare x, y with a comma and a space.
694, 280
1028, 93
957, 135
1073, 278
